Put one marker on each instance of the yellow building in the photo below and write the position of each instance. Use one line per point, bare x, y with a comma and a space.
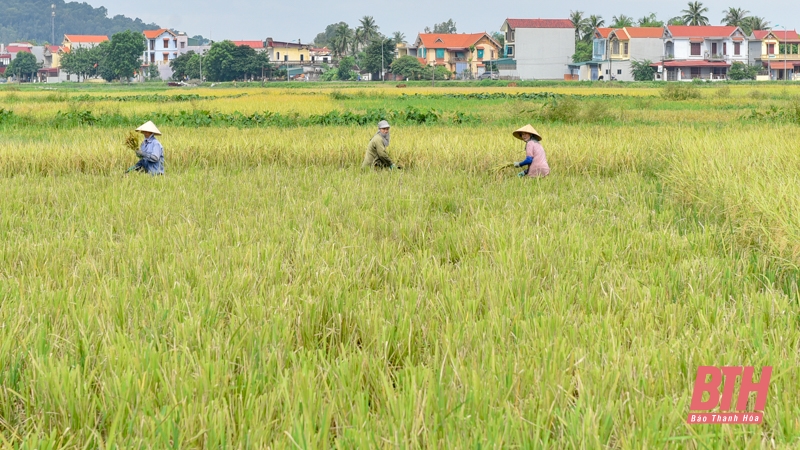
291, 53
462, 54
780, 53
81, 41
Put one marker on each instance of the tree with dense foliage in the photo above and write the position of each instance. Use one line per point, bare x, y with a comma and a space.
650, 20
622, 21
578, 22
23, 66
374, 59
693, 15
677, 20
25, 20
369, 30
407, 67
734, 17
642, 70
345, 70
742, 71
594, 22
179, 65
501, 39
583, 51
325, 39
123, 58
219, 61
81, 62
448, 27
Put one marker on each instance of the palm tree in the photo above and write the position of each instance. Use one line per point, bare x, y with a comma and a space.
650, 20
734, 17
399, 37
694, 14
752, 23
622, 21
593, 22
579, 22
358, 40
342, 39
369, 28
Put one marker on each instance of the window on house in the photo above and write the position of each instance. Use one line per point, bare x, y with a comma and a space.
615, 47
491, 54
695, 72
152, 57
166, 43
480, 54
771, 49
714, 48
301, 57
619, 71
724, 48
279, 56
286, 57
152, 44
439, 53
606, 71
695, 49
509, 51
166, 57
737, 48
625, 48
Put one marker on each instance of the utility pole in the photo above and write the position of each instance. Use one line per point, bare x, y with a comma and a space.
53, 24
382, 41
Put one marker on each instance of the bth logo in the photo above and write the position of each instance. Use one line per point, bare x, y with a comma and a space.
708, 381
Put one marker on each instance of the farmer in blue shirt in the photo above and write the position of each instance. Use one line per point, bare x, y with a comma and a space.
151, 152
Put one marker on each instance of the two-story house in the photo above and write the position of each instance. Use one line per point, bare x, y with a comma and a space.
462, 54
778, 51
705, 52
161, 47
629, 44
541, 49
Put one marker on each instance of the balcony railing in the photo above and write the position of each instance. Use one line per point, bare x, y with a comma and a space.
714, 57
455, 60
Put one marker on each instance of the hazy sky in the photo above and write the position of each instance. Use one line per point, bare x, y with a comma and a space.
303, 19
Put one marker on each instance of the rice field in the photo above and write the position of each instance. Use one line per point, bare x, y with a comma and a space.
268, 293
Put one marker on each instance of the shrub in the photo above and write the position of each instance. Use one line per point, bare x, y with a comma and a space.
680, 91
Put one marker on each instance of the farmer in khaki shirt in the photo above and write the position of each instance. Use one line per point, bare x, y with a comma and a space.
376, 155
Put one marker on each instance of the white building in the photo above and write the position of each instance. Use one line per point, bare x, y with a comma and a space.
162, 47
541, 49
705, 52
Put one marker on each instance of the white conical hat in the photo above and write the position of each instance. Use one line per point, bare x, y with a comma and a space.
527, 129
149, 127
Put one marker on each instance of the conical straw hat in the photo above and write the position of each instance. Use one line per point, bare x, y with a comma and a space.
149, 127
527, 129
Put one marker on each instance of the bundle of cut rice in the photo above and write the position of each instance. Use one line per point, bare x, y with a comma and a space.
132, 140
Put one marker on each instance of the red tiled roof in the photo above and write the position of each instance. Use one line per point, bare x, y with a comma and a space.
460, 41
17, 49
251, 44
787, 35
760, 34
644, 32
85, 38
684, 31
539, 23
692, 64
604, 32
781, 65
152, 34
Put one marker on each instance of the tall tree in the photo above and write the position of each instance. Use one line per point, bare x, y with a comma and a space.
734, 17
621, 21
595, 22
650, 20
693, 15
124, 52
407, 67
378, 54
752, 23
399, 37
578, 22
677, 20
326, 38
342, 39
369, 28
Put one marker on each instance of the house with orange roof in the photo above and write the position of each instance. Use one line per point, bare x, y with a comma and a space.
540, 49
778, 51
463, 54
704, 52
81, 41
161, 47
629, 44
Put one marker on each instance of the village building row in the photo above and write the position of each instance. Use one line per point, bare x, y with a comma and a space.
533, 49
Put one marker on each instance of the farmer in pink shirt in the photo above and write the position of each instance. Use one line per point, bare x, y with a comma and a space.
534, 152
